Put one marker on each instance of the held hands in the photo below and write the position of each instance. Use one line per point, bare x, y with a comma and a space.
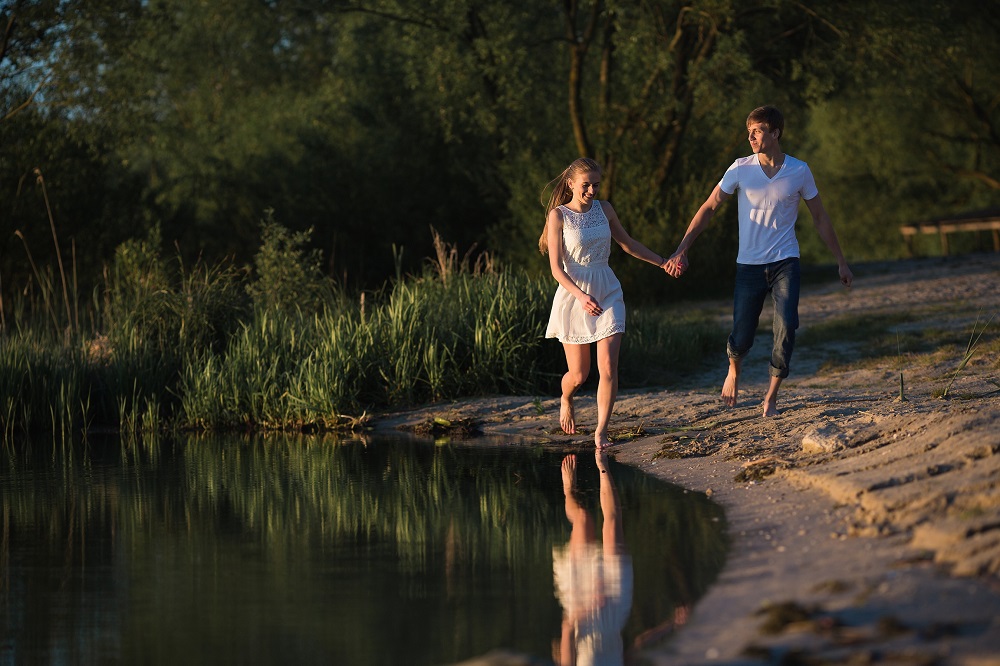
676, 265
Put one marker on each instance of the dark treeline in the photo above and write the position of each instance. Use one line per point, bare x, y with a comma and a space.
369, 121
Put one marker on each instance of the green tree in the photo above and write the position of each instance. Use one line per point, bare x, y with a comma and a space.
912, 129
222, 110
90, 199
371, 120
28, 31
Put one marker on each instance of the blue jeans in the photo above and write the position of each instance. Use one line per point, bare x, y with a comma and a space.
753, 282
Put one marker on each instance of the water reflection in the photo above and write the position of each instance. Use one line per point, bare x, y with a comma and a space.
312, 550
593, 579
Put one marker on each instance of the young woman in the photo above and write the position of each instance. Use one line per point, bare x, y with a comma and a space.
588, 306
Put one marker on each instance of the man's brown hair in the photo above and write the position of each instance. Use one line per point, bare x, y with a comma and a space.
770, 116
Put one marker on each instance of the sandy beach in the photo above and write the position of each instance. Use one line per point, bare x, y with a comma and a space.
865, 518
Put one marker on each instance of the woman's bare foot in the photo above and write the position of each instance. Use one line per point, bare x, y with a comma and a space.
566, 417
601, 441
569, 473
770, 408
601, 457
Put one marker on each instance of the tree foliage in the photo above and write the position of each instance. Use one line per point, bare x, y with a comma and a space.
368, 121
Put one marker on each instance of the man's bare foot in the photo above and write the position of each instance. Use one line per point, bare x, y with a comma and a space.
771, 398
566, 417
731, 388
569, 473
602, 441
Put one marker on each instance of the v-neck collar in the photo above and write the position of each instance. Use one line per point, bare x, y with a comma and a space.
784, 160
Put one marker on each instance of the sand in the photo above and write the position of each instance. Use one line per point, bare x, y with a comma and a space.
864, 528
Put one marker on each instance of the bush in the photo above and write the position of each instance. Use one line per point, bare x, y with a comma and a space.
289, 277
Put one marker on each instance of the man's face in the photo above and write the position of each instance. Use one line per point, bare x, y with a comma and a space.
761, 138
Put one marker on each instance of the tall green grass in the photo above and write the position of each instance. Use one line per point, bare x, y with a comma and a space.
40, 386
162, 345
425, 340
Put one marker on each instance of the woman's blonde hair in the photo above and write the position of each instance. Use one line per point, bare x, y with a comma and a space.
561, 194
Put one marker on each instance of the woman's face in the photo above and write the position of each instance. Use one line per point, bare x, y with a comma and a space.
584, 187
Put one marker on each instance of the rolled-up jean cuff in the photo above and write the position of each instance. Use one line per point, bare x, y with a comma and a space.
734, 354
777, 372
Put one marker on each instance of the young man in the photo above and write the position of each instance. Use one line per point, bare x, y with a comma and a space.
770, 185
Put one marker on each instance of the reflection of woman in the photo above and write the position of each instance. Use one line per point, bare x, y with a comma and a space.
593, 580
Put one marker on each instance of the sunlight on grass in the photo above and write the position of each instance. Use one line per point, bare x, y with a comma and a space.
216, 348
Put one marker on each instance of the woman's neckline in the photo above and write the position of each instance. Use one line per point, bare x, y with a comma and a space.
580, 212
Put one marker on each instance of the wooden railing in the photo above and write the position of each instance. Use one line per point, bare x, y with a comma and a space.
989, 221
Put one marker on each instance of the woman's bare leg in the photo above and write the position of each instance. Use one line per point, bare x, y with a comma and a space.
582, 531
612, 532
578, 364
607, 387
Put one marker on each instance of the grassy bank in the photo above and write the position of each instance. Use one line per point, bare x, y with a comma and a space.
276, 346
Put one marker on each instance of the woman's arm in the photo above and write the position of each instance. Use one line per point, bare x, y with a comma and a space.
627, 243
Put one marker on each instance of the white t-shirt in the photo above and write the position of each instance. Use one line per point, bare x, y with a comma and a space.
768, 207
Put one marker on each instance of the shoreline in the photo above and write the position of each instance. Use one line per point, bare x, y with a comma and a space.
843, 579
864, 528
798, 559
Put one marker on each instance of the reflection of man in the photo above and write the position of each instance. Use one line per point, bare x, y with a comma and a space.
593, 580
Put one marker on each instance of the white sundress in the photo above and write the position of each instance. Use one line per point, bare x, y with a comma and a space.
586, 248
595, 590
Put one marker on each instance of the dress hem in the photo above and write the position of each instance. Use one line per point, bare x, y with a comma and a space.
586, 340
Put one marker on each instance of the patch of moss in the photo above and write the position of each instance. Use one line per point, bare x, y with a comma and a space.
889, 626
832, 587
669, 452
777, 617
440, 427
628, 434
755, 472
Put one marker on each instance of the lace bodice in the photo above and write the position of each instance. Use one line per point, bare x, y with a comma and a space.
586, 237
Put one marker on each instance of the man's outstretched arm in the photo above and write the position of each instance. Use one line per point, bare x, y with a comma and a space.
678, 261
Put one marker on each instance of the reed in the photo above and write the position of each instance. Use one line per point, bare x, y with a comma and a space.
223, 348
426, 339
40, 180
970, 351
39, 384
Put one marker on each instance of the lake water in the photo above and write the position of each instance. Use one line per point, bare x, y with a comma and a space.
318, 550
